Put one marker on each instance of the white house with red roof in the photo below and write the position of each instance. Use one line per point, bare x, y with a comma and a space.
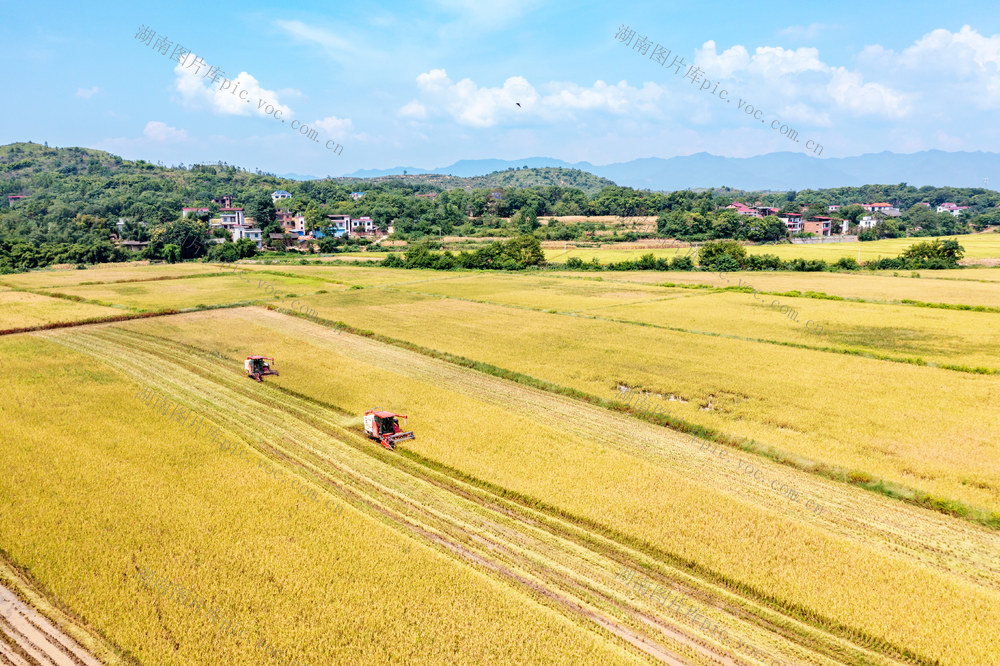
743, 209
954, 209
793, 221
194, 211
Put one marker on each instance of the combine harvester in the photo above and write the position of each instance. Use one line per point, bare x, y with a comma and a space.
258, 367
383, 427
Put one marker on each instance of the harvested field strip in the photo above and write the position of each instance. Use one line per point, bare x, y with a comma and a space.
676, 534
194, 292
226, 529
101, 273
666, 314
21, 311
366, 480
142, 279
862, 288
936, 459
906, 528
482, 528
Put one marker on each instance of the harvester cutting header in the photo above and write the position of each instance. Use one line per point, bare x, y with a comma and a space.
383, 427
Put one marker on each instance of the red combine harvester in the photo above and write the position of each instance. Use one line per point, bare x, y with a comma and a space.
383, 427
258, 367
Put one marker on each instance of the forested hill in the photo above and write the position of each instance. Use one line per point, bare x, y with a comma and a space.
540, 177
23, 169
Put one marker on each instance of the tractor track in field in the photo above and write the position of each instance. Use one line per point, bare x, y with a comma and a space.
568, 566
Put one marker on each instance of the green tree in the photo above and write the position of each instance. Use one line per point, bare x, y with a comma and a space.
260, 207
525, 250
526, 220
712, 250
933, 254
315, 219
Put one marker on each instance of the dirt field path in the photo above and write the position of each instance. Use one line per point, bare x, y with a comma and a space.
27, 638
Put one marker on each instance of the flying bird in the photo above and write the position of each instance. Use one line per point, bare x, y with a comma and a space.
518, 103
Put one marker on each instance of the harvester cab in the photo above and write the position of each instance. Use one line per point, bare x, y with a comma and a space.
259, 367
383, 427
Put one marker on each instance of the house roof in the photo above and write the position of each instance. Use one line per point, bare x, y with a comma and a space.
882, 204
280, 192
223, 210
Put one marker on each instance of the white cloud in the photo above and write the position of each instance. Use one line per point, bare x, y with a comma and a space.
796, 76
570, 96
157, 131
334, 125
767, 61
473, 105
722, 65
87, 93
413, 109
241, 96
849, 92
964, 65
482, 106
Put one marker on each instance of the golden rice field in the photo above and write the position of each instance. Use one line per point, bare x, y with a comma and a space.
861, 285
805, 496
977, 246
19, 309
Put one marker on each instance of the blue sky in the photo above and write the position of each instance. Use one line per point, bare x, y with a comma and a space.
429, 83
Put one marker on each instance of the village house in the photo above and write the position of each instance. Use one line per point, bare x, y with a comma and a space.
280, 194
880, 207
364, 226
194, 211
743, 209
292, 223
133, 245
341, 224
821, 226
252, 233
793, 221
231, 217
954, 209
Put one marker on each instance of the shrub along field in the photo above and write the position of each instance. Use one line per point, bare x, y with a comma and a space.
839, 502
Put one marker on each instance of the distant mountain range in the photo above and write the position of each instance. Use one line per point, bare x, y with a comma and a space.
774, 171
